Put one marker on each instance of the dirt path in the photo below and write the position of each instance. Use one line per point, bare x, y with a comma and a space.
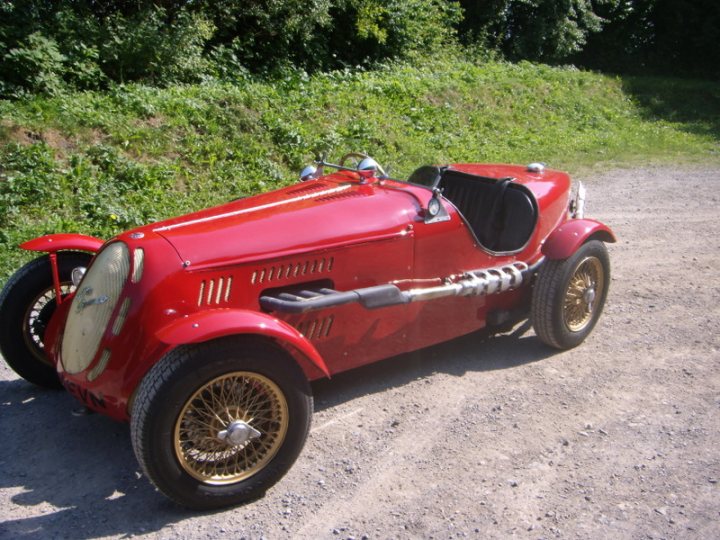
479, 438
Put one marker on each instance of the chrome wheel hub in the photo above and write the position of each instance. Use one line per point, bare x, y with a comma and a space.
238, 433
589, 296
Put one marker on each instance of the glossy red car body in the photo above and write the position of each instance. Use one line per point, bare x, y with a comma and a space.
203, 275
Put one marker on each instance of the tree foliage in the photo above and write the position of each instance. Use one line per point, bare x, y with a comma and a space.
48, 46
546, 30
658, 36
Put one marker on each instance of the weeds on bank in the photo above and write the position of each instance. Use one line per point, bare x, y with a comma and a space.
99, 163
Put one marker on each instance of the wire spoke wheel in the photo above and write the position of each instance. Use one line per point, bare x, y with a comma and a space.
38, 316
569, 295
231, 428
27, 305
217, 423
580, 296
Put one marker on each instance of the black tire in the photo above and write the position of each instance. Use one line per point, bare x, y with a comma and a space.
176, 417
569, 296
26, 305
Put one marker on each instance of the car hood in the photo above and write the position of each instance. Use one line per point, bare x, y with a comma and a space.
324, 213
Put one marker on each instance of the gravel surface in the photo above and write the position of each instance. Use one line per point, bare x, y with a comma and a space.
479, 437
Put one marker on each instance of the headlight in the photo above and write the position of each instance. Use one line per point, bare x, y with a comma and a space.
93, 305
577, 208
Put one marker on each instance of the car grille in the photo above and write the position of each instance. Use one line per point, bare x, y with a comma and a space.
93, 305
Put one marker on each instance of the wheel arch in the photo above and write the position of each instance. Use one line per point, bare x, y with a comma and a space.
211, 325
568, 237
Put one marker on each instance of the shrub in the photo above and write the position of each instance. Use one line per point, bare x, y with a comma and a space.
35, 65
147, 46
366, 31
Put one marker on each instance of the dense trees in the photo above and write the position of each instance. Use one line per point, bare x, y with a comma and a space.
545, 30
46, 46
661, 36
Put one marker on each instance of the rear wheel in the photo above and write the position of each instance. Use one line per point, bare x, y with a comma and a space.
27, 304
217, 424
569, 296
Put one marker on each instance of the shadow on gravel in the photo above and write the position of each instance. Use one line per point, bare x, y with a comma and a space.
479, 351
81, 473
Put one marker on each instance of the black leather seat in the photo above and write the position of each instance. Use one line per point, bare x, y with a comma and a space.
501, 213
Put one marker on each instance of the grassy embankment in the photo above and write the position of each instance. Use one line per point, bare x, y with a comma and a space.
102, 162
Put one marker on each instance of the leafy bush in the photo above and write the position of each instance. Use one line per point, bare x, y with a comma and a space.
44, 48
147, 47
35, 65
546, 30
367, 31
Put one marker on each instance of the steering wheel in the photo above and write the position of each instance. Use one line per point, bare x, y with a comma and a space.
358, 156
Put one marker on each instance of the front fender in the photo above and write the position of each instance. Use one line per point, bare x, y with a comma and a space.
52, 243
569, 236
215, 324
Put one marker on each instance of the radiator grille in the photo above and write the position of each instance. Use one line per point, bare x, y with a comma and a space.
93, 305
292, 270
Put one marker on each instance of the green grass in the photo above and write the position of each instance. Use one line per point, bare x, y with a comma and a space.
98, 163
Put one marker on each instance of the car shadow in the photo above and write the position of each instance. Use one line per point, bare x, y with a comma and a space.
81, 478
479, 351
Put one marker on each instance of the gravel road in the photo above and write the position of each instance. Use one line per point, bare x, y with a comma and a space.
480, 437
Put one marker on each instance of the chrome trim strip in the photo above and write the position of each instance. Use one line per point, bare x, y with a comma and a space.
299, 198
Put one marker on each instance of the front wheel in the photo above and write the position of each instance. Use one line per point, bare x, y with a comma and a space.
569, 296
27, 304
217, 424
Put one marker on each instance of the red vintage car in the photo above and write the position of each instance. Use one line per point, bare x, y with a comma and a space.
205, 330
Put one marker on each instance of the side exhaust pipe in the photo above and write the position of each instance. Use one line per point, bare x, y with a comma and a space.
475, 283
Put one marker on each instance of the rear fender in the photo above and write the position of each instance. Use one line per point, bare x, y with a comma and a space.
569, 236
209, 325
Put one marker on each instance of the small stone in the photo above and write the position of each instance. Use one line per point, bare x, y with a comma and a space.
513, 483
602, 432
